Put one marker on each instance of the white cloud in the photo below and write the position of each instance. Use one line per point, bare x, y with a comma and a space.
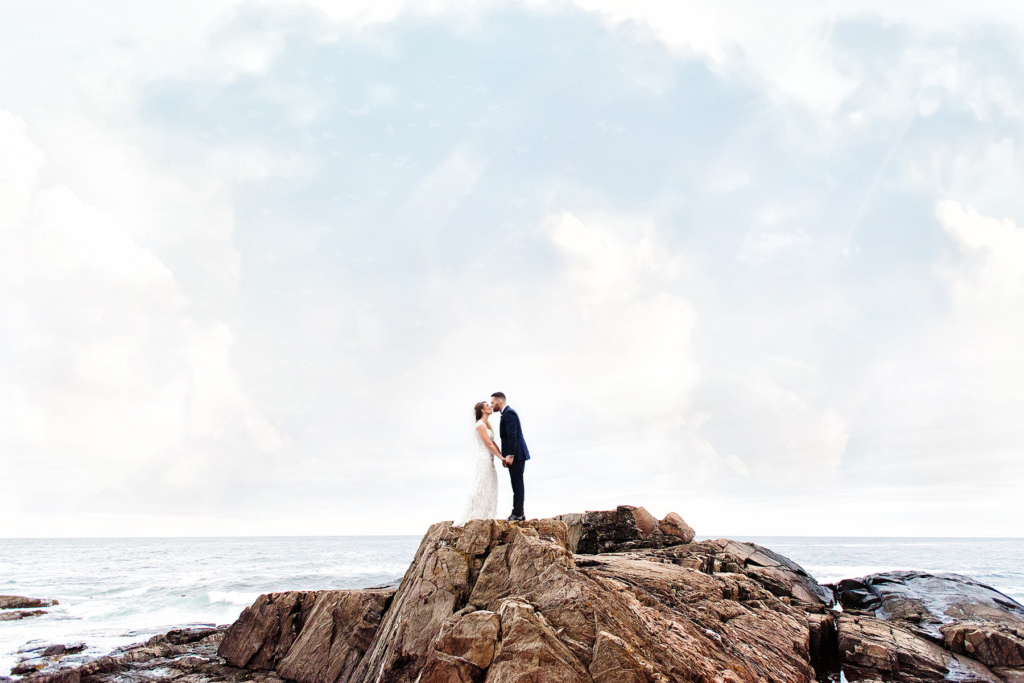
106, 374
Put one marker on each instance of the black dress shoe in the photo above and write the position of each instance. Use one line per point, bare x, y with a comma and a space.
513, 518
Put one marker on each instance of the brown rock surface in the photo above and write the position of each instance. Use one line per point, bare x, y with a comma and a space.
992, 644
21, 602
873, 649
501, 602
673, 525
266, 630
337, 632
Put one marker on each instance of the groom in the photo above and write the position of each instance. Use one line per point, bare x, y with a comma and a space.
513, 451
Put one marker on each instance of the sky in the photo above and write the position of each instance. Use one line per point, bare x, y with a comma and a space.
759, 265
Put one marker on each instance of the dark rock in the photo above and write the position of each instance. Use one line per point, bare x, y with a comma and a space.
20, 602
926, 602
824, 645
625, 528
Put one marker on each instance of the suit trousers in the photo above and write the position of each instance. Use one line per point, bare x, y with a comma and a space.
515, 472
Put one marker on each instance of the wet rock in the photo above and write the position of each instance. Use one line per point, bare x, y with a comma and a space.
625, 528
336, 634
21, 602
873, 649
925, 602
991, 643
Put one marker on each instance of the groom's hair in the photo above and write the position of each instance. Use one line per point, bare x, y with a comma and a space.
498, 394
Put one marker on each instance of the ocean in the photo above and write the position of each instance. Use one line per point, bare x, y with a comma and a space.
113, 592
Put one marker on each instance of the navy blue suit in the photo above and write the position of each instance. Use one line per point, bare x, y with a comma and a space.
513, 443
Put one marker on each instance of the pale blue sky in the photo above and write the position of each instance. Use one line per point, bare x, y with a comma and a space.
761, 268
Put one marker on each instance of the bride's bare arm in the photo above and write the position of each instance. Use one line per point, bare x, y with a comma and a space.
488, 441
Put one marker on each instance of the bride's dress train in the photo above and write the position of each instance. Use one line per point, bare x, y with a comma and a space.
483, 495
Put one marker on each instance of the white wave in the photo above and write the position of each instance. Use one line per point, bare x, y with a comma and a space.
233, 597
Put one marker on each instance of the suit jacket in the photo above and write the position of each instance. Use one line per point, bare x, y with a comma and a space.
511, 433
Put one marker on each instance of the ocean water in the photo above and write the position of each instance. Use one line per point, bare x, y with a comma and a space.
113, 592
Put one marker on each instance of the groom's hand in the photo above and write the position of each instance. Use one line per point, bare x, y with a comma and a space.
508, 461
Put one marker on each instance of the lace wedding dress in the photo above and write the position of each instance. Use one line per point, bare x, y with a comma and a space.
483, 495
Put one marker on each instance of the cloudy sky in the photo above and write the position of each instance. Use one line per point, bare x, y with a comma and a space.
763, 266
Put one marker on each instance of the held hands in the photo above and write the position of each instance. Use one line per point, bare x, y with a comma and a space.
507, 461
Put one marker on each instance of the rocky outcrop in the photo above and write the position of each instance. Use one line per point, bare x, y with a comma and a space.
625, 528
507, 602
917, 626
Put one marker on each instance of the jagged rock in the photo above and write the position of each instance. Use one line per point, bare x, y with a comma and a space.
625, 528
566, 618
992, 644
776, 573
435, 586
21, 602
824, 644
615, 662
336, 634
266, 630
471, 636
873, 649
530, 650
444, 668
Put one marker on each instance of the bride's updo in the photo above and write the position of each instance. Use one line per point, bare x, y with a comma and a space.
479, 410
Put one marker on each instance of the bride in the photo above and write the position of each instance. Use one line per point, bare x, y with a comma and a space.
483, 496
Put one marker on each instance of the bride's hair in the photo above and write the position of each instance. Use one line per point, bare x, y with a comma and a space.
479, 409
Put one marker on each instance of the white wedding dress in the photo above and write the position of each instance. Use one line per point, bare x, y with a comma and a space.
483, 494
